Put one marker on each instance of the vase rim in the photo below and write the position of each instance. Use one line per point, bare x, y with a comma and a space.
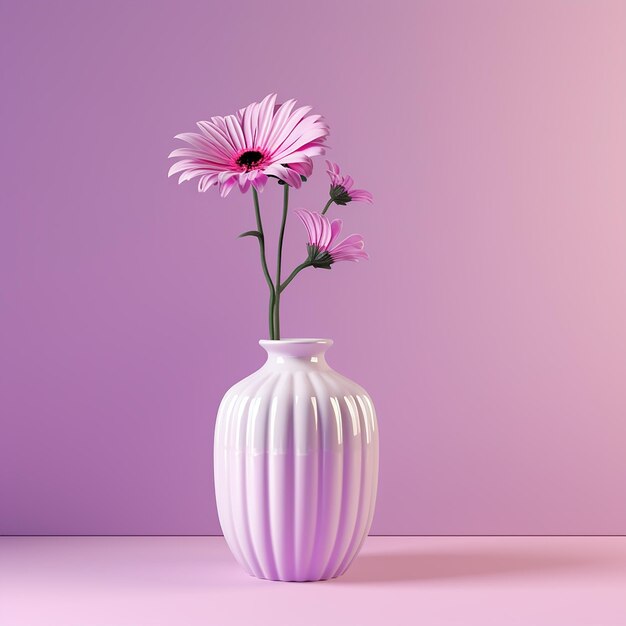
309, 349
296, 341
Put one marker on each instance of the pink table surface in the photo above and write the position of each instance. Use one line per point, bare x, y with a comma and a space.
188, 581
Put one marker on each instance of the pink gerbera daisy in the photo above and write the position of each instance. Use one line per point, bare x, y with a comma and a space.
261, 140
323, 251
341, 191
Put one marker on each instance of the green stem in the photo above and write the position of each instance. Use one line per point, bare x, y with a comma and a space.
293, 274
261, 238
279, 262
327, 206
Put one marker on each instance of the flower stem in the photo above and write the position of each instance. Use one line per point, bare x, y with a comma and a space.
293, 274
279, 262
327, 206
261, 238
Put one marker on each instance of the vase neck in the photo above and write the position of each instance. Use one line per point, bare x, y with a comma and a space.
295, 352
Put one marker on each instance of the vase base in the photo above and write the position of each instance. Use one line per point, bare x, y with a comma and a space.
295, 579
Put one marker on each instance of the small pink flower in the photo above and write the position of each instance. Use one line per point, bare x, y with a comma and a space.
323, 251
341, 187
263, 139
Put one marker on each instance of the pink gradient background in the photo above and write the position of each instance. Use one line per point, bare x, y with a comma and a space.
489, 325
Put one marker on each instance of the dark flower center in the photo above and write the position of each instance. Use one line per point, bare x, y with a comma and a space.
249, 159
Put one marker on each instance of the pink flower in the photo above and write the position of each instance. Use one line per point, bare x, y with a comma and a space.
341, 190
261, 140
323, 251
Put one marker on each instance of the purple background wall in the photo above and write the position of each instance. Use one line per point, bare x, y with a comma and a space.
489, 325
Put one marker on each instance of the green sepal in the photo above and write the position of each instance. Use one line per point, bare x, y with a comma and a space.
321, 260
339, 195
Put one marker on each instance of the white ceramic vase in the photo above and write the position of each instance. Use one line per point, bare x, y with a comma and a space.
296, 465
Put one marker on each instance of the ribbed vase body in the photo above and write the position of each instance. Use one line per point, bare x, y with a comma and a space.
296, 465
